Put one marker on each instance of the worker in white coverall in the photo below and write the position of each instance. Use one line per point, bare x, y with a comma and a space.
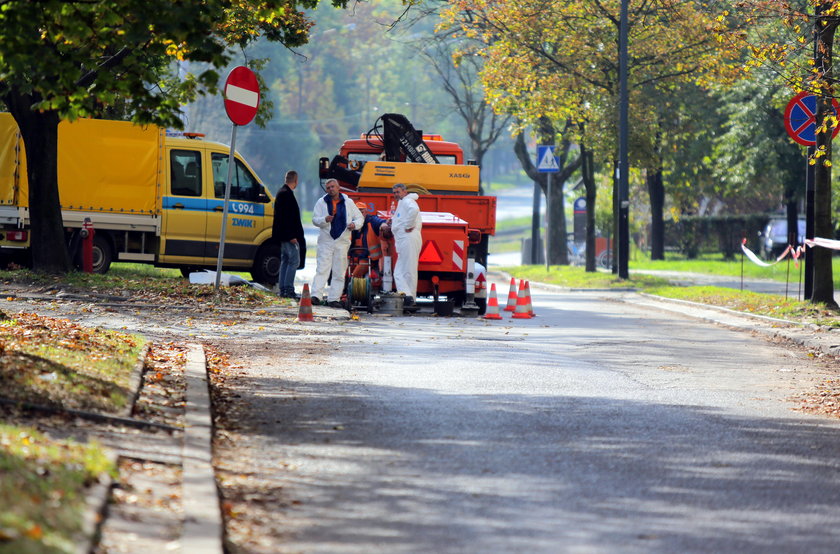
406, 225
336, 216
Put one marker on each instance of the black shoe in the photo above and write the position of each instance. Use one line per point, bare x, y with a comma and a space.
316, 301
335, 304
408, 301
292, 295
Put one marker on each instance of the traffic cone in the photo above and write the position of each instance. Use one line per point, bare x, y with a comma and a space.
511, 301
305, 309
492, 305
528, 296
521, 305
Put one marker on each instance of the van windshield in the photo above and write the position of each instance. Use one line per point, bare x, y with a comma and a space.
778, 228
243, 186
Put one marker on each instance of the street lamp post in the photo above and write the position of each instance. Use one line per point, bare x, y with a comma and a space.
623, 231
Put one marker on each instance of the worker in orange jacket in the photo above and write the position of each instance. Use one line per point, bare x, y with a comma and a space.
366, 241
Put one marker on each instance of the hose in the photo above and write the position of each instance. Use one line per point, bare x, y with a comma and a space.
359, 288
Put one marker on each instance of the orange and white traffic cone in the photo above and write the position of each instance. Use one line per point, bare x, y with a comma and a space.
305, 309
521, 305
492, 305
511, 301
528, 296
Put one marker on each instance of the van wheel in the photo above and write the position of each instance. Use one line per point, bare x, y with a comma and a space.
266, 267
187, 269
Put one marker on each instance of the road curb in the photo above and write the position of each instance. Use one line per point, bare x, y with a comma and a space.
803, 334
764, 318
203, 528
135, 383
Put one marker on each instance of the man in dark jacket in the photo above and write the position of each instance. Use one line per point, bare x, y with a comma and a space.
288, 231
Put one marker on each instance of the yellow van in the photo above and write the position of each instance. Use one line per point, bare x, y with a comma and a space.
152, 196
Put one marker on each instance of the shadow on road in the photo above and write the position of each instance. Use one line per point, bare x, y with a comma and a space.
390, 468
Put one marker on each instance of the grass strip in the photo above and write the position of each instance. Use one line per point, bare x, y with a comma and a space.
770, 305
55, 362
145, 283
42, 490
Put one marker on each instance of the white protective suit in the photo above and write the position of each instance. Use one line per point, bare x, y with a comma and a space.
407, 243
332, 253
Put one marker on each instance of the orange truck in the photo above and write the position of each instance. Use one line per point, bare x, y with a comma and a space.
457, 219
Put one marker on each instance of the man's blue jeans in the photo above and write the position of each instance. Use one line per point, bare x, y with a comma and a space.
289, 261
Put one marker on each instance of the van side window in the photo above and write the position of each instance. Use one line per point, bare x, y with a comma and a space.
185, 172
243, 186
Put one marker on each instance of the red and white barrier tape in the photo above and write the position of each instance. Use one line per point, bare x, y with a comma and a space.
758, 261
825, 243
795, 253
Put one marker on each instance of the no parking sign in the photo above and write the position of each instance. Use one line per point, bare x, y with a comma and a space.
801, 118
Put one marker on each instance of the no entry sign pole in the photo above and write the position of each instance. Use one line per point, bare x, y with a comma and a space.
231, 162
242, 100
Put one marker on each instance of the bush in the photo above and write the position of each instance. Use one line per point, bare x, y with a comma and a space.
695, 235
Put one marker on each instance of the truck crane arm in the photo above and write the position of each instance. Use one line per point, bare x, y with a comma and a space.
400, 137
400, 140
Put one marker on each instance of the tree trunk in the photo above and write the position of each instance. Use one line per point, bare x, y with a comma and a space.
587, 170
39, 130
555, 207
825, 28
656, 191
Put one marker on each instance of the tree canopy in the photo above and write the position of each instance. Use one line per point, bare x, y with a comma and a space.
560, 59
62, 59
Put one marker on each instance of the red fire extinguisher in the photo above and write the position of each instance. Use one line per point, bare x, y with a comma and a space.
87, 234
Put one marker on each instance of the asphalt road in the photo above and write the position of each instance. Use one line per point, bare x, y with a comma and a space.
599, 426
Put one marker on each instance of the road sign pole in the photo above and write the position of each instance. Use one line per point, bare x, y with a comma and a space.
547, 163
547, 220
535, 225
810, 220
231, 163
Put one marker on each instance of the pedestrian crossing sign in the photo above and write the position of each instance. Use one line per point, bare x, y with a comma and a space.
546, 161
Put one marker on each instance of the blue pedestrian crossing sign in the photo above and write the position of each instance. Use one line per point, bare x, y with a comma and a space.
546, 161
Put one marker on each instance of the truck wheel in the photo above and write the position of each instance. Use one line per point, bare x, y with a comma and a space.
482, 305
267, 265
103, 254
603, 260
458, 298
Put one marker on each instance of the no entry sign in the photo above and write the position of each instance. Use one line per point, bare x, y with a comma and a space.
242, 99
242, 95
801, 118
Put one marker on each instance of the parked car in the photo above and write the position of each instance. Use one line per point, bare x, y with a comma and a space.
774, 237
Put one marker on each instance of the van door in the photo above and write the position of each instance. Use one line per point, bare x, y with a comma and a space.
184, 209
246, 217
